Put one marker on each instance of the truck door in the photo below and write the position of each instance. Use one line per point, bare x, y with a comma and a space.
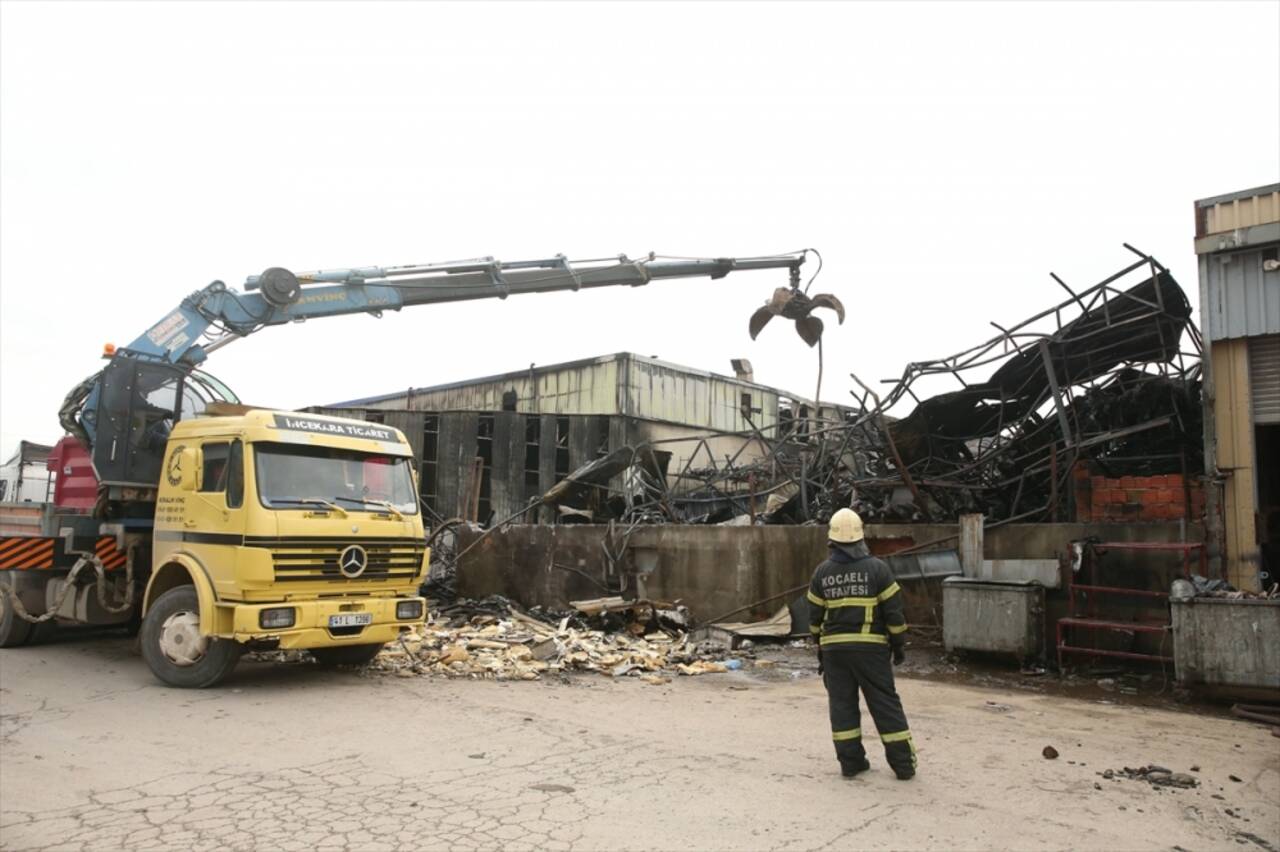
215, 522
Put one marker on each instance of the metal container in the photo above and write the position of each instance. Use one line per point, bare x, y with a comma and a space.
1005, 618
1221, 642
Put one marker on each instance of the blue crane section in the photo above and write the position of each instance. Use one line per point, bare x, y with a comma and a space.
123, 413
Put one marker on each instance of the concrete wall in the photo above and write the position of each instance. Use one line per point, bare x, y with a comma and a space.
714, 569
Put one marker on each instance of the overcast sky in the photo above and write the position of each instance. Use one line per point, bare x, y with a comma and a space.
944, 158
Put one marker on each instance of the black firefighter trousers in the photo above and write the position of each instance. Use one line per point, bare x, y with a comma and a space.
869, 669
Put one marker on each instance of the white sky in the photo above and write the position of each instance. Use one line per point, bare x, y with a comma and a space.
944, 158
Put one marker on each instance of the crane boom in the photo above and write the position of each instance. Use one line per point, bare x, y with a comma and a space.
278, 296
123, 413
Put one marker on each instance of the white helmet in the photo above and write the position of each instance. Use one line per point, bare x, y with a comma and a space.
846, 527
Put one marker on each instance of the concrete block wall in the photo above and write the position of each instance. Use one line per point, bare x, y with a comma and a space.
1141, 499
714, 569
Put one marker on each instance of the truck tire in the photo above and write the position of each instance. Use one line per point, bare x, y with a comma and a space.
174, 649
349, 655
14, 630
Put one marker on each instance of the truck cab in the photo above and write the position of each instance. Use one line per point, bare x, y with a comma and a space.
281, 530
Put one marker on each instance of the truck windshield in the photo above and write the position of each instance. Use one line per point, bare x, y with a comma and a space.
292, 476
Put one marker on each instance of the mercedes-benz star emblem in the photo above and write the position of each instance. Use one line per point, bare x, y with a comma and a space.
353, 561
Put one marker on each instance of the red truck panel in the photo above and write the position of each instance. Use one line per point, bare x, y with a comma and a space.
76, 486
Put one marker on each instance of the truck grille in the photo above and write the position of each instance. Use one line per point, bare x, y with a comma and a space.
311, 559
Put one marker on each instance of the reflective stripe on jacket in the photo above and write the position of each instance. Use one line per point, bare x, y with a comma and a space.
854, 599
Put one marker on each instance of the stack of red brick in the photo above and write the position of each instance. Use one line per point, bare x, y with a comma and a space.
1136, 498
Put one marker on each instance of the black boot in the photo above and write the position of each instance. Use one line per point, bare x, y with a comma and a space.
852, 768
905, 774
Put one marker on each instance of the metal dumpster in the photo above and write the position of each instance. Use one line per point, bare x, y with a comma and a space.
1223, 642
1005, 618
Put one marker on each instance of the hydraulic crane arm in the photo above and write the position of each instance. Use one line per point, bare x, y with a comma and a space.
216, 315
123, 413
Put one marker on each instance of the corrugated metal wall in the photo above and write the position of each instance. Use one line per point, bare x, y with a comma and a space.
1238, 297
621, 384
1264, 378
585, 389
1246, 212
656, 391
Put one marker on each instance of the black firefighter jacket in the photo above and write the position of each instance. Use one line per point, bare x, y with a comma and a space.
854, 600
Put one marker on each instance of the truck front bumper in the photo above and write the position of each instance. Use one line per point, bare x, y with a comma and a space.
312, 619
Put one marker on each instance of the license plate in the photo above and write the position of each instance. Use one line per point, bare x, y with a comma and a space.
351, 619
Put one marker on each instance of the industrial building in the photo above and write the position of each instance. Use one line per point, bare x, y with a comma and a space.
1238, 246
514, 436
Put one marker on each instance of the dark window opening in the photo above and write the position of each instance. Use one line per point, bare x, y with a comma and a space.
428, 483
213, 473
600, 432
484, 451
786, 418
235, 476
562, 448
532, 455
509, 400
375, 417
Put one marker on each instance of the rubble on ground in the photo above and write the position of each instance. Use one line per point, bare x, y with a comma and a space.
494, 639
1152, 774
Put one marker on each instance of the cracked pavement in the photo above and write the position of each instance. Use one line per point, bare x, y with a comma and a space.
94, 754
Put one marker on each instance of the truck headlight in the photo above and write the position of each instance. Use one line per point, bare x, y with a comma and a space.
274, 619
408, 610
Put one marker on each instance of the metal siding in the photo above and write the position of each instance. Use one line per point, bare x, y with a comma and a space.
1264, 378
656, 392
1242, 213
500, 465
517, 499
584, 389
1235, 456
1240, 299
449, 463
546, 463
408, 423
637, 387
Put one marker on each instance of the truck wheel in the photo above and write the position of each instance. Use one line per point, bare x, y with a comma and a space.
14, 630
175, 650
350, 655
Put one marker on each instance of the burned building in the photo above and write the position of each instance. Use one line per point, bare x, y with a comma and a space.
490, 446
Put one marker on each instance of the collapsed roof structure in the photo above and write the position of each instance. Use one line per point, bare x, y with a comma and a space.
1110, 375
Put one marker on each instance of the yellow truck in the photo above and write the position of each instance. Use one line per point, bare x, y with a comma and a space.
212, 527
279, 530
271, 530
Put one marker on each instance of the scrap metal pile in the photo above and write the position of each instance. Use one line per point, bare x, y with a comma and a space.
1110, 376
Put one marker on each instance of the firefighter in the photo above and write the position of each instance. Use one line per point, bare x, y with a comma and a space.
855, 611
